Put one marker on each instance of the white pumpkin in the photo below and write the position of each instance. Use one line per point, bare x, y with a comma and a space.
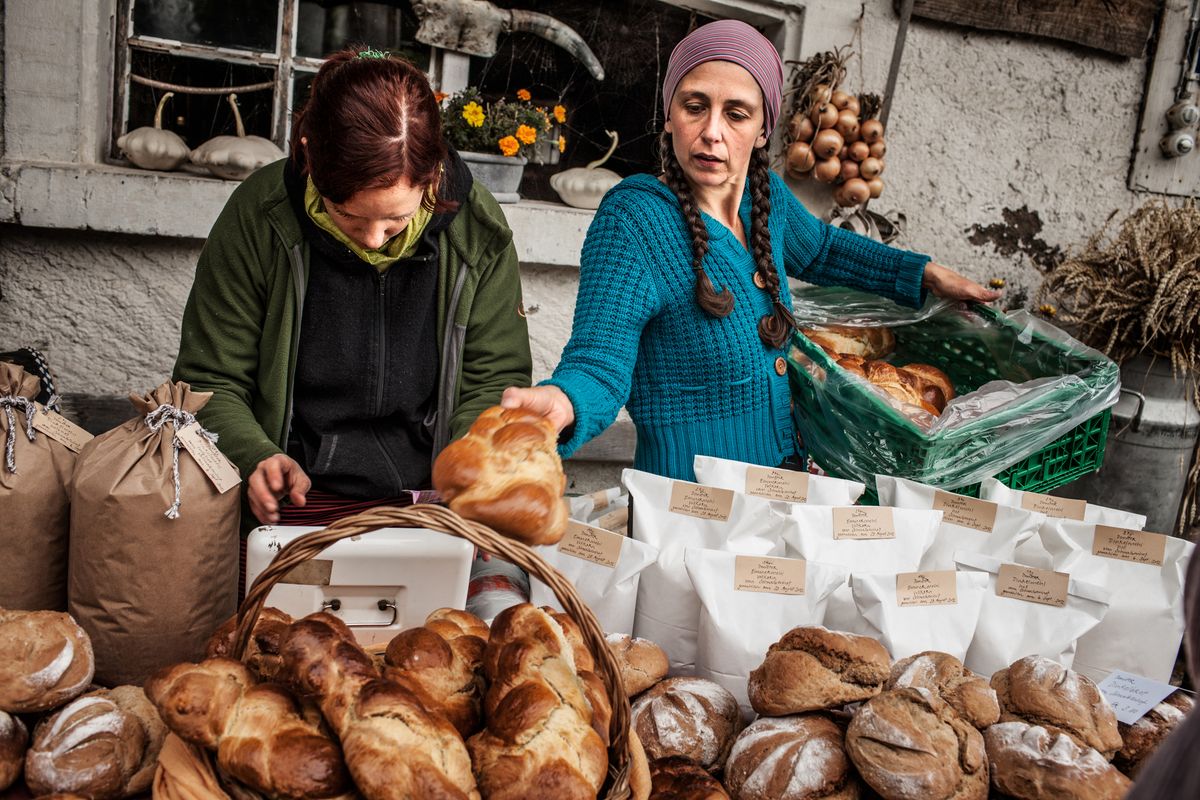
583, 187
152, 147
235, 157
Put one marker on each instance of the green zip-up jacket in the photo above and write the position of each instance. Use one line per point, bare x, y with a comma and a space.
241, 325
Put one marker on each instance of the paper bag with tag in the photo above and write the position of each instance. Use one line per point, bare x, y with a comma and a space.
154, 538
35, 467
790, 486
911, 612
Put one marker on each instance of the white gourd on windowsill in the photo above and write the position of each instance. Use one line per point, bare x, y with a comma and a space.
235, 157
152, 147
583, 187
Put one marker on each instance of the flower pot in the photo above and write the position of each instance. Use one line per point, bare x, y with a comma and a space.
500, 174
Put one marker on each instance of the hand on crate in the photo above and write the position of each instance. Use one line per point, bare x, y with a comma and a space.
945, 282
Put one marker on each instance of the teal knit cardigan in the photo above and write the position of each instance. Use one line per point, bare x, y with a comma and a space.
695, 384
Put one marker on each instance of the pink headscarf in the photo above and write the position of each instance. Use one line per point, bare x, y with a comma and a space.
735, 41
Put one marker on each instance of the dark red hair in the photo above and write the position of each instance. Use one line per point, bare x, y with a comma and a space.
368, 123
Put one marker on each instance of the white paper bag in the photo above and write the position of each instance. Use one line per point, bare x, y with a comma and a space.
748, 604
1011, 628
668, 609
590, 507
1059, 508
861, 539
912, 612
606, 581
968, 525
1144, 625
776, 484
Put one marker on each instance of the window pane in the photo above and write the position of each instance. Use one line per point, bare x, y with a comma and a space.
248, 24
195, 117
329, 25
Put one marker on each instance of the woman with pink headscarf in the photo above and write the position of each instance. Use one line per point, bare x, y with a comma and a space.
683, 310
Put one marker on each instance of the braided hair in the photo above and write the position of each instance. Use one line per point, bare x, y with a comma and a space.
774, 328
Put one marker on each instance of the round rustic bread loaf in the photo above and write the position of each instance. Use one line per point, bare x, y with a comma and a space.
91, 747
1038, 690
967, 693
679, 779
14, 741
791, 758
910, 745
1142, 738
812, 669
47, 660
1029, 762
641, 661
691, 718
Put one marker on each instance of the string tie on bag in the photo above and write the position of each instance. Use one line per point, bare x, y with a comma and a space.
179, 420
8, 402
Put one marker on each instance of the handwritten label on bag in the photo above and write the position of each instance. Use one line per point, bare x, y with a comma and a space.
777, 484
60, 429
599, 500
1032, 585
616, 520
965, 511
591, 544
1132, 696
705, 502
1061, 507
768, 574
1140, 547
937, 588
863, 522
216, 466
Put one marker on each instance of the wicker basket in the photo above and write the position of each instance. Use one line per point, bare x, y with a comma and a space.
442, 519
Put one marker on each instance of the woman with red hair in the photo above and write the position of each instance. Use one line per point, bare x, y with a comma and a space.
356, 305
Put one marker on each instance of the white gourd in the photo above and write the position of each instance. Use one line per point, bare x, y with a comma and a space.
235, 157
583, 187
150, 147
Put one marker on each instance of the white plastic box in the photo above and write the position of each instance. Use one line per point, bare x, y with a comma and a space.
379, 583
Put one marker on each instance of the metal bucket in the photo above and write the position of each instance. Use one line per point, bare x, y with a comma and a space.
1150, 444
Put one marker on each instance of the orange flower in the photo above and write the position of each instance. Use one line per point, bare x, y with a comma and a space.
509, 146
562, 144
526, 134
440, 96
560, 114
523, 94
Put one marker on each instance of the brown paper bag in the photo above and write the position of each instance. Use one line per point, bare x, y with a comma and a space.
153, 562
33, 501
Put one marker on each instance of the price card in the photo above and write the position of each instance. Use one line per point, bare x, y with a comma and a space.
216, 466
60, 429
1131, 696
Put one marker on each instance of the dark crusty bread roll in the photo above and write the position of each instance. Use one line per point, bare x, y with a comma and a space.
641, 661
506, 473
791, 758
909, 745
257, 731
14, 741
262, 652
1030, 763
445, 674
1142, 738
1041, 691
47, 660
967, 693
677, 778
393, 745
852, 341
692, 718
812, 669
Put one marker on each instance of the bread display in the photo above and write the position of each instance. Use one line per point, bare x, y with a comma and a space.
839, 340
14, 741
791, 758
909, 745
445, 673
102, 745
1029, 762
262, 652
506, 473
691, 718
394, 747
450, 623
1140, 739
641, 661
1041, 691
811, 669
256, 730
527, 621
529, 660
967, 693
919, 385
679, 779
48, 660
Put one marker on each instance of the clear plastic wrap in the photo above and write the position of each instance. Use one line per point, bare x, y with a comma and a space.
1021, 384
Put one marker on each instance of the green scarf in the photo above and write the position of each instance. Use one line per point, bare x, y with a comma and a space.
402, 245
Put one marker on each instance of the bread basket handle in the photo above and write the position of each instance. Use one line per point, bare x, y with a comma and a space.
439, 518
